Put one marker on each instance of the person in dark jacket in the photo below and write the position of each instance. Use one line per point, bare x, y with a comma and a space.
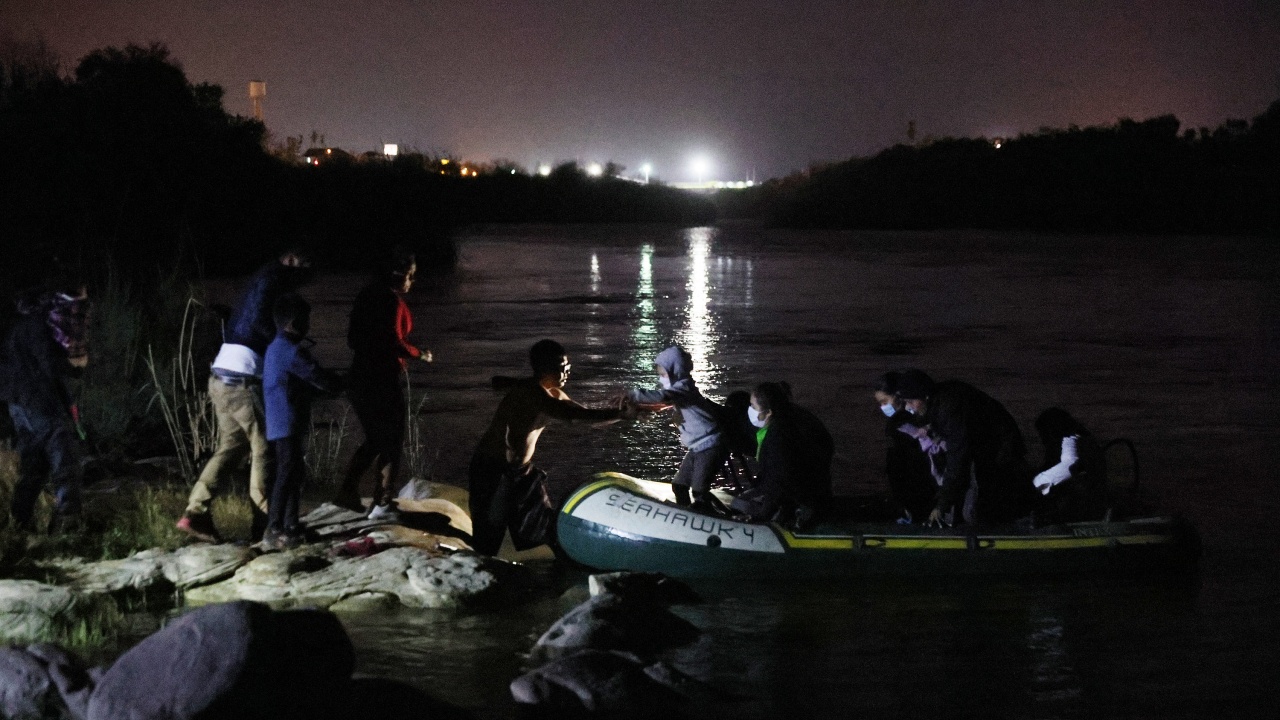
794, 452
378, 336
1072, 479
290, 377
236, 394
982, 442
913, 461
504, 455
44, 353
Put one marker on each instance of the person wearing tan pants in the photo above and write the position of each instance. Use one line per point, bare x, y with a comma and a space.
241, 432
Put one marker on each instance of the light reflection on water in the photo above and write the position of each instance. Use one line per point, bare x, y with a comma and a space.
698, 336
1034, 326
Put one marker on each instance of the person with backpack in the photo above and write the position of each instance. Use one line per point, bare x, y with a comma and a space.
42, 357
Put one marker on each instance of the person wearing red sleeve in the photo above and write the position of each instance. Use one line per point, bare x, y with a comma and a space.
378, 336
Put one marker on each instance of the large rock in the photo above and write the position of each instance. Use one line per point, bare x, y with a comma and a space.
238, 660
33, 611
597, 683
44, 681
183, 568
415, 577
614, 622
26, 690
643, 587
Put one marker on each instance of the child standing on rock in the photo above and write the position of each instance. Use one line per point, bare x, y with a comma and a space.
699, 423
290, 377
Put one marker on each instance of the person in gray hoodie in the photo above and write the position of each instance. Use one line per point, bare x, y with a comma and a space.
700, 431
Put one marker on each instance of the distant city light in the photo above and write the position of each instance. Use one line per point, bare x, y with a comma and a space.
444, 161
646, 170
391, 149
595, 169
544, 170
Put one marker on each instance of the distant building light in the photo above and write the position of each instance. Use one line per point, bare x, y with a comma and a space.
544, 170
998, 143
444, 161
391, 149
328, 151
595, 170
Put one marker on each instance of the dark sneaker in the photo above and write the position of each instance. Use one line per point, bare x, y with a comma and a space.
200, 527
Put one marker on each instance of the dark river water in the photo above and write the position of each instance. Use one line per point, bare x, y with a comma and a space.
1173, 342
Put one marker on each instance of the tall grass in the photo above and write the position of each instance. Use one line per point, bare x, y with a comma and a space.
325, 450
418, 458
182, 397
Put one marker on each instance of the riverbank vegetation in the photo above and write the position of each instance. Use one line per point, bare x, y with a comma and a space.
1150, 176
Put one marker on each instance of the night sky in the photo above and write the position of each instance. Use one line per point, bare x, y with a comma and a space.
759, 87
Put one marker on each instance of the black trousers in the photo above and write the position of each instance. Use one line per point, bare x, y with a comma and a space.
48, 450
291, 475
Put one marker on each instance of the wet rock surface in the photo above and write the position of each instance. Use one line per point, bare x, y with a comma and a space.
598, 659
412, 576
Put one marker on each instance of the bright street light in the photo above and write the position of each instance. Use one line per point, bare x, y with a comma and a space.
595, 169
700, 166
646, 169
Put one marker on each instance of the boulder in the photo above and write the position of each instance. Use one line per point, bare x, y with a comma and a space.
238, 660
26, 690
415, 577
30, 610
597, 683
643, 587
614, 622
44, 681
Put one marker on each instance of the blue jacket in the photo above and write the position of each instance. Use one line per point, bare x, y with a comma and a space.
697, 416
252, 324
290, 377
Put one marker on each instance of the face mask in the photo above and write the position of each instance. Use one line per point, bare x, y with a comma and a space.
888, 409
754, 417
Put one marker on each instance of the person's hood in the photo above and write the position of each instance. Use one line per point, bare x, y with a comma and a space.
677, 363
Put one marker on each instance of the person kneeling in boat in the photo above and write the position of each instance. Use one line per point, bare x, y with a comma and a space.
983, 445
700, 431
913, 461
1072, 481
793, 451
503, 461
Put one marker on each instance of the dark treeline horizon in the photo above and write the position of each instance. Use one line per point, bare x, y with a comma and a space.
123, 161
1147, 176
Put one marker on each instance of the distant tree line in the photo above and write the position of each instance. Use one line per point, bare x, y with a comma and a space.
1148, 177
123, 159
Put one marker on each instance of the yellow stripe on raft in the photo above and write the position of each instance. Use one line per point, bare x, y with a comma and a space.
583, 493
815, 543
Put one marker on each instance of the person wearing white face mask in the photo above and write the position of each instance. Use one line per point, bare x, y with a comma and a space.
913, 461
794, 451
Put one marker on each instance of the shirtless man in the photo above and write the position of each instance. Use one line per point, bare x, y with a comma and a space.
505, 453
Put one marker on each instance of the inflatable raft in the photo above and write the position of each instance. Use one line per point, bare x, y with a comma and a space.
618, 522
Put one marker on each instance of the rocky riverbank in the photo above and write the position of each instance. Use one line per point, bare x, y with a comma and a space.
353, 564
